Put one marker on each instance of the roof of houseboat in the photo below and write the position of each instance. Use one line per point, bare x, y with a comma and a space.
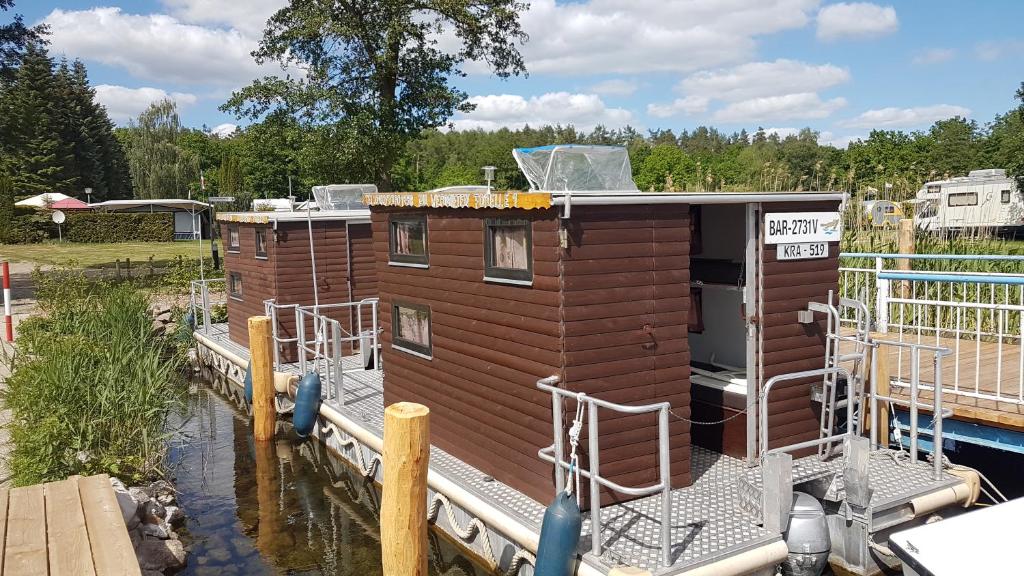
547, 199
362, 215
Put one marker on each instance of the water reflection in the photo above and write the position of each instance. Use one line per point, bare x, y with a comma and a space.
287, 506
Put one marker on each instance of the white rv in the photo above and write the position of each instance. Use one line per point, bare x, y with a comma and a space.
982, 199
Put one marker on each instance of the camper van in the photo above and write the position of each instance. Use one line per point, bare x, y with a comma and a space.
982, 199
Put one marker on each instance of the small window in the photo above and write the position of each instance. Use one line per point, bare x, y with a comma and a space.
934, 189
233, 243
410, 328
261, 243
508, 250
1005, 196
408, 240
235, 285
963, 199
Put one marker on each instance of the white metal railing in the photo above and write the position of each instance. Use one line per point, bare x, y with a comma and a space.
328, 340
978, 315
201, 303
555, 454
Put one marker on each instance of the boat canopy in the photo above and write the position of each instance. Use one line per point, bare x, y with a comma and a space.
342, 196
574, 167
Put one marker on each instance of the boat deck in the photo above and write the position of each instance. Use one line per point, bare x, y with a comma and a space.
709, 522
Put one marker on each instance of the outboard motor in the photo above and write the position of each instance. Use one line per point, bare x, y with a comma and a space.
806, 537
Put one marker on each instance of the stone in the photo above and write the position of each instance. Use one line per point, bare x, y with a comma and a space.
139, 494
165, 499
160, 555
164, 317
129, 507
152, 573
158, 327
153, 512
154, 531
219, 554
174, 515
160, 487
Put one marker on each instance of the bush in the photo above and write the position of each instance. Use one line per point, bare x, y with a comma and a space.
28, 226
119, 227
90, 388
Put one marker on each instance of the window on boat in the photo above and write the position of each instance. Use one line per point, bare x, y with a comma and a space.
963, 199
408, 240
261, 242
410, 326
233, 243
1005, 196
508, 250
235, 285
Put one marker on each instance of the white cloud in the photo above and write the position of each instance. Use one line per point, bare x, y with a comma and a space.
996, 49
829, 139
804, 105
615, 87
856, 20
639, 36
761, 79
249, 17
124, 104
584, 111
154, 47
224, 130
782, 132
934, 55
687, 105
904, 117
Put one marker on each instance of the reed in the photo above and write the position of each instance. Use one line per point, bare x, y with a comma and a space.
91, 385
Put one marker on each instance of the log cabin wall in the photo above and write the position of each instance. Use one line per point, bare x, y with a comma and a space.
787, 345
363, 271
625, 301
491, 342
259, 282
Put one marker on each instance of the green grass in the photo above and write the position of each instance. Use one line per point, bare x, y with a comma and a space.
103, 255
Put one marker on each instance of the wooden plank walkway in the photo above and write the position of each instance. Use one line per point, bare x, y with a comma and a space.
70, 527
974, 368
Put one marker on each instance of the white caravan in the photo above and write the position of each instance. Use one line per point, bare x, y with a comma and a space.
982, 199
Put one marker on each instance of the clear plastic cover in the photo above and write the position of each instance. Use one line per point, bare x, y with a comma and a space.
576, 167
342, 196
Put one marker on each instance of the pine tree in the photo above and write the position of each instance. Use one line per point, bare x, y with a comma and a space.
6, 206
34, 154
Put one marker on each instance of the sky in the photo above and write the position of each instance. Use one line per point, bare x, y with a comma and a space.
841, 68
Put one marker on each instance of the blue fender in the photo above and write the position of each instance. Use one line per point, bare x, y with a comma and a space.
190, 320
307, 404
247, 383
559, 537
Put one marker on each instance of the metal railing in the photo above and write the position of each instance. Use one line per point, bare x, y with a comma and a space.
555, 454
327, 340
202, 304
827, 372
978, 315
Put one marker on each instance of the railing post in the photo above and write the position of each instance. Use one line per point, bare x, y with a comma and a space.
594, 466
873, 401
300, 340
915, 375
556, 420
339, 372
376, 344
937, 426
881, 298
274, 337
665, 466
206, 308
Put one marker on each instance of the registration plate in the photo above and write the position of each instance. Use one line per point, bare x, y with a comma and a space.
802, 251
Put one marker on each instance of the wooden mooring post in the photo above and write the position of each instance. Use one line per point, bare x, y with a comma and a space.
261, 356
403, 510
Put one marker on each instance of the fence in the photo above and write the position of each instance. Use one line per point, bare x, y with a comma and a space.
960, 302
203, 296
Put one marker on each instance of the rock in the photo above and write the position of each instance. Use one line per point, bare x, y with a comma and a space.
174, 515
135, 536
219, 554
153, 512
160, 487
154, 531
165, 499
139, 494
160, 555
129, 507
158, 328
164, 317
152, 573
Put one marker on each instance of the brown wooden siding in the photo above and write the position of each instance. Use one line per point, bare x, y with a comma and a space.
624, 309
259, 282
788, 346
491, 343
363, 267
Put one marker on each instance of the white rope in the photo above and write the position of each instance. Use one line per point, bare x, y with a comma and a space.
375, 462
574, 443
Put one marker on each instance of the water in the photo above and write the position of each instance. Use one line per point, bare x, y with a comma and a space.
282, 507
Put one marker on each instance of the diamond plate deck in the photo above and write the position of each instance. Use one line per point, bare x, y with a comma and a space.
707, 521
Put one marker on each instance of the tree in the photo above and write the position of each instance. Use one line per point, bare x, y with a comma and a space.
6, 206
1008, 132
376, 72
15, 39
159, 166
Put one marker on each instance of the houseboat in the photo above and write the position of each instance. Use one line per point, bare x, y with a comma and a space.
672, 358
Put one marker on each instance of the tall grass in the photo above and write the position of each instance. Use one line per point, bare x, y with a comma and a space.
91, 385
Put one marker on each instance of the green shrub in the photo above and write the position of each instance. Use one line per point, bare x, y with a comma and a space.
28, 226
119, 227
91, 387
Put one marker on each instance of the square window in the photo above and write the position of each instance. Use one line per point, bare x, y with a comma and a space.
261, 243
962, 199
235, 285
233, 243
408, 240
410, 328
1005, 196
508, 250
